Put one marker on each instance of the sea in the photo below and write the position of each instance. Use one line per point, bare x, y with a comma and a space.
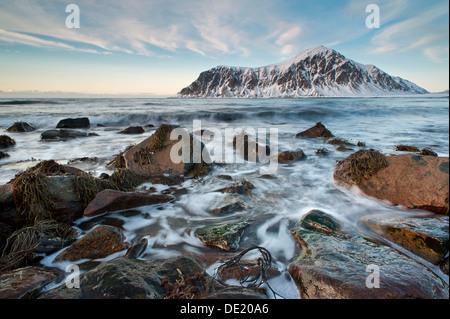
278, 201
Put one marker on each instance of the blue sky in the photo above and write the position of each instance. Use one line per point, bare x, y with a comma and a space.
139, 47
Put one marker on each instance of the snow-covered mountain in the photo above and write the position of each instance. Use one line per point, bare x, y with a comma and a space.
316, 72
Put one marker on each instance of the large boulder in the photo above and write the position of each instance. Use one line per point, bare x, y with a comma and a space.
100, 242
419, 182
153, 156
82, 122
24, 283
426, 237
111, 200
337, 262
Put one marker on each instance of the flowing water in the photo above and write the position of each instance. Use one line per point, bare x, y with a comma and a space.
278, 201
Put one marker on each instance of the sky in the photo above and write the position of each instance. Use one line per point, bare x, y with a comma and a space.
157, 47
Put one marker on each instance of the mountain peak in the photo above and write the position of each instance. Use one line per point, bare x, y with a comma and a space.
319, 71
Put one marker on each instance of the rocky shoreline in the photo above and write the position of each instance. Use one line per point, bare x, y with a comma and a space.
39, 206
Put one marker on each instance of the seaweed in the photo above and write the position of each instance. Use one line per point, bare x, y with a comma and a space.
19, 248
192, 287
88, 186
159, 137
406, 148
364, 164
31, 196
126, 180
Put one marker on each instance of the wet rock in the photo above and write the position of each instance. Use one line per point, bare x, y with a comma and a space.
21, 127
419, 182
426, 237
428, 152
343, 148
127, 278
244, 270
138, 249
153, 156
319, 130
444, 266
133, 130
334, 259
3, 155
224, 236
339, 141
67, 206
24, 283
289, 157
322, 152
247, 147
8, 212
64, 135
228, 209
241, 188
50, 243
101, 220
406, 148
111, 200
6, 141
100, 242
74, 123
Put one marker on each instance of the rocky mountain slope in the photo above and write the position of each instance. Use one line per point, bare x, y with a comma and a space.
316, 72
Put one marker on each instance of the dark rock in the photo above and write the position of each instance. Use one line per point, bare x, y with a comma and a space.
101, 220
3, 155
49, 244
100, 242
127, 278
418, 182
339, 141
64, 134
428, 152
67, 206
24, 283
6, 141
406, 148
224, 236
111, 200
334, 261
228, 209
288, 156
444, 266
343, 148
138, 249
21, 127
133, 130
322, 152
74, 123
242, 188
319, 130
426, 237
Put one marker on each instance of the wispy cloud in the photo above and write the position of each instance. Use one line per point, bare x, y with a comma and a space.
415, 33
